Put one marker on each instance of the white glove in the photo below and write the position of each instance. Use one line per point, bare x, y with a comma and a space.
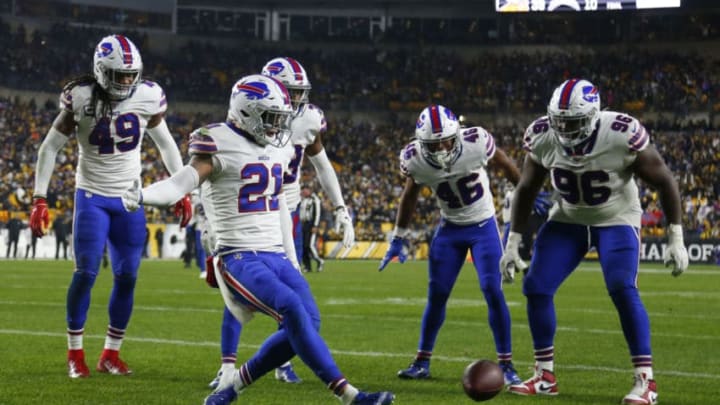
510, 262
132, 197
342, 220
295, 263
676, 253
207, 239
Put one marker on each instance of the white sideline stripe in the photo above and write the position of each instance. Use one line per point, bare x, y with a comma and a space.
582, 367
382, 301
515, 325
452, 302
661, 270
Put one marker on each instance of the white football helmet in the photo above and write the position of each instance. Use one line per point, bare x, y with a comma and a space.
117, 66
574, 110
436, 125
290, 73
260, 105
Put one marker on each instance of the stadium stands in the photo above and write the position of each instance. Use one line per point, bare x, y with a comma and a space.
511, 84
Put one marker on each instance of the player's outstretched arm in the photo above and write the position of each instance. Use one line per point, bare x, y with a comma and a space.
169, 191
55, 139
408, 201
650, 167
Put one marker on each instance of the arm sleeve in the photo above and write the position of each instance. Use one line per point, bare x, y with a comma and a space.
160, 134
317, 206
327, 177
286, 228
169, 191
49, 148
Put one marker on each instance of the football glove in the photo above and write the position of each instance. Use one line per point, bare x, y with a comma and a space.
344, 222
542, 204
676, 253
183, 210
132, 197
210, 272
39, 217
396, 249
207, 239
510, 262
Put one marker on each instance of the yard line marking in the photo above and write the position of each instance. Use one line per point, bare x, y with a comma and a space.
135, 308
176, 342
175, 291
651, 314
516, 325
413, 301
660, 270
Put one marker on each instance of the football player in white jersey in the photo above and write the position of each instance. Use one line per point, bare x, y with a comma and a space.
109, 112
240, 164
592, 157
452, 161
307, 127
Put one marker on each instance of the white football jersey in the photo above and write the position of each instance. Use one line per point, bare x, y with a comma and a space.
305, 127
593, 179
109, 148
463, 191
240, 197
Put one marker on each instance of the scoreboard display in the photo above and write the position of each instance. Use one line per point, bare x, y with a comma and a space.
515, 6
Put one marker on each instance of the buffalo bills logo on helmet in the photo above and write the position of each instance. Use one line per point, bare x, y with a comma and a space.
420, 121
252, 90
104, 49
451, 116
590, 94
275, 68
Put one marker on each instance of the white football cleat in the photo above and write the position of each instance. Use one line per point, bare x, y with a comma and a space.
644, 392
542, 383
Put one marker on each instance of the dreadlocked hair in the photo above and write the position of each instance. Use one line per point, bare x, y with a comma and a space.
99, 96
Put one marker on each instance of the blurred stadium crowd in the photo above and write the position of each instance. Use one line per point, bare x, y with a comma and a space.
376, 79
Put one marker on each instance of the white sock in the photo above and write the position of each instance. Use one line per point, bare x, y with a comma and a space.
114, 338
348, 396
648, 371
227, 368
75, 339
237, 381
545, 365
287, 364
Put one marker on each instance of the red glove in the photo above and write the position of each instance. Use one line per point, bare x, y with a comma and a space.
183, 210
39, 217
210, 272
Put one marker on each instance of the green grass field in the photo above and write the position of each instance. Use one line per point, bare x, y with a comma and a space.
371, 322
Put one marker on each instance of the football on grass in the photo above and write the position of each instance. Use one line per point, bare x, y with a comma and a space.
483, 379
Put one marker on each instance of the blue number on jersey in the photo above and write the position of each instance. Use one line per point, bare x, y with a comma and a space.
251, 197
469, 190
294, 165
127, 127
573, 187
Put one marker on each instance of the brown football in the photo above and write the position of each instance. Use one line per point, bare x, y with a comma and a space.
482, 380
